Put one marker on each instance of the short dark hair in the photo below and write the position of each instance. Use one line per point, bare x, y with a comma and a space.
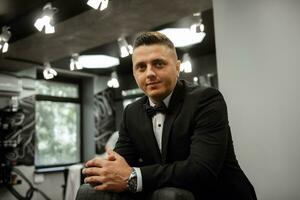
149, 38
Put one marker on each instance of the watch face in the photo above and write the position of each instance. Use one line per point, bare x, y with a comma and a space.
132, 182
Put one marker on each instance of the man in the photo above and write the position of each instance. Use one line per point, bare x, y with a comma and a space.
184, 145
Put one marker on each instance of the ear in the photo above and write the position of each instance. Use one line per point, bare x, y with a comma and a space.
178, 62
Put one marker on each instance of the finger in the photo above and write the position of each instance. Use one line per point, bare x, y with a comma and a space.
110, 186
93, 180
97, 180
111, 157
96, 162
91, 162
111, 152
92, 171
102, 187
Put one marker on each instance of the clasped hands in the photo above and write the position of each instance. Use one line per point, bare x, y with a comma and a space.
108, 174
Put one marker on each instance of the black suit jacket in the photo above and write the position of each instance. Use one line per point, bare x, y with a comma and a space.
197, 150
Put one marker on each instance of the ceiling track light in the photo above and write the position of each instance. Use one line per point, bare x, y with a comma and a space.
4, 38
74, 62
197, 27
125, 48
113, 82
45, 21
103, 4
186, 65
49, 72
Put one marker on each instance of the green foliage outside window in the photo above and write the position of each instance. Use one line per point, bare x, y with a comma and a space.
57, 89
57, 127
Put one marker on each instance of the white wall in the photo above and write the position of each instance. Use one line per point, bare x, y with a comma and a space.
258, 62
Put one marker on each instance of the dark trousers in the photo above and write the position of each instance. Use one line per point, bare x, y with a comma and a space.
86, 192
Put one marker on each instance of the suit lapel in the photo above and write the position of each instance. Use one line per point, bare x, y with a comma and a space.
173, 110
149, 137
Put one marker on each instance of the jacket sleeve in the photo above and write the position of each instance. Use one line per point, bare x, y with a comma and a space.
124, 145
210, 133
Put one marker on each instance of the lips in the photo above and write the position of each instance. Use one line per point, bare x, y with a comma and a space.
152, 83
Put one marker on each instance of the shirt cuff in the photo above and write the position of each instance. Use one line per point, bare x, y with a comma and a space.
139, 179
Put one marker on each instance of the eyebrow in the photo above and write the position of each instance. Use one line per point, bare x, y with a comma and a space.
151, 61
138, 64
158, 60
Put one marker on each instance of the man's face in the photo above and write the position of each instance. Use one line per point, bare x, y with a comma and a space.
155, 69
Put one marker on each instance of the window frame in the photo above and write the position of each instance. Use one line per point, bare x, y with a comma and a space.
41, 97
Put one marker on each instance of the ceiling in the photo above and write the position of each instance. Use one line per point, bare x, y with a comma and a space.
81, 29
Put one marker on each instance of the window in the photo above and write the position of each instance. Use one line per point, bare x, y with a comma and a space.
131, 95
57, 123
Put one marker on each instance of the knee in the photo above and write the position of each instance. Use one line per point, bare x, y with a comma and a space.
170, 193
86, 192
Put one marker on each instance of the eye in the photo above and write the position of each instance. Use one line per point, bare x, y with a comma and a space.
159, 63
140, 67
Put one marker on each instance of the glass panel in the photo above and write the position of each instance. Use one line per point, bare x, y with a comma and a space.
57, 127
126, 102
57, 89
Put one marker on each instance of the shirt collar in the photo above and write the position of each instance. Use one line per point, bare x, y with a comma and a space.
166, 100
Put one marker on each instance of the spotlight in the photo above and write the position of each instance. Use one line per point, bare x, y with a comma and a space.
45, 21
186, 65
96, 3
4, 38
49, 72
113, 82
198, 27
125, 48
74, 62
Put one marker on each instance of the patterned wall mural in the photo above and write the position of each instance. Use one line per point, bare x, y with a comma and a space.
104, 115
17, 132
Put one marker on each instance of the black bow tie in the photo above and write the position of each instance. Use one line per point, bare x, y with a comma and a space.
151, 111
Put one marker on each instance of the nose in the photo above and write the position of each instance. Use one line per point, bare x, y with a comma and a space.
150, 72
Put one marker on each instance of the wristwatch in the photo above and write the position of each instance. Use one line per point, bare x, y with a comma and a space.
132, 181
